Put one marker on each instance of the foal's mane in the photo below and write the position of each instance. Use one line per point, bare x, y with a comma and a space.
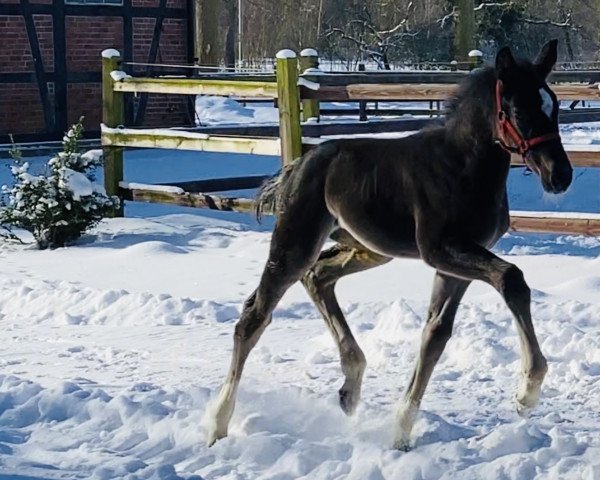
471, 112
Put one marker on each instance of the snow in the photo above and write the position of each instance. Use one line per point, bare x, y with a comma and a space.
313, 71
573, 215
110, 53
118, 75
154, 188
286, 53
223, 110
165, 132
309, 52
113, 349
308, 84
79, 184
475, 53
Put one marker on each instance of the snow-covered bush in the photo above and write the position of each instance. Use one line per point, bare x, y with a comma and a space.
60, 204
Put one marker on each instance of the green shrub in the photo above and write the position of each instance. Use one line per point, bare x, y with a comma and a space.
60, 204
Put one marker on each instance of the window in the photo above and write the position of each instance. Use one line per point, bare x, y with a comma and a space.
94, 2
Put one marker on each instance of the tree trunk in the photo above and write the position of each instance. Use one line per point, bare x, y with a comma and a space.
206, 23
230, 38
464, 34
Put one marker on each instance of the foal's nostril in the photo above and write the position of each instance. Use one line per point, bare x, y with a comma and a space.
561, 179
567, 176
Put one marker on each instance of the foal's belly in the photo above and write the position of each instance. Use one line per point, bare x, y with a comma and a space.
390, 230
389, 235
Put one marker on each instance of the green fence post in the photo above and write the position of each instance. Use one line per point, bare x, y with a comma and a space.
288, 101
309, 61
112, 116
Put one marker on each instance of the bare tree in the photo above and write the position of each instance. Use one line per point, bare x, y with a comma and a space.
371, 39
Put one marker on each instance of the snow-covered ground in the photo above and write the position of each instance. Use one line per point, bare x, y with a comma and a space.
112, 349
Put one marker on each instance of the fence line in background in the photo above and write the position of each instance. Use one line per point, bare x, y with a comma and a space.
297, 94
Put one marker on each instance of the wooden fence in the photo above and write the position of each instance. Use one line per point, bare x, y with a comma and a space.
298, 96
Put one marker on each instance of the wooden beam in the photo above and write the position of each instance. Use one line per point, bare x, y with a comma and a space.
140, 112
220, 184
576, 92
181, 140
264, 141
583, 155
38, 64
309, 59
424, 92
186, 199
320, 129
386, 77
288, 103
113, 115
579, 156
192, 86
560, 224
553, 223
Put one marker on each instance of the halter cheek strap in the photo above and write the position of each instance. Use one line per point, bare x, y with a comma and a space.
508, 132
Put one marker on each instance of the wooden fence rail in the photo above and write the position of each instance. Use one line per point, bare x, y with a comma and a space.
298, 94
192, 86
423, 92
562, 223
384, 76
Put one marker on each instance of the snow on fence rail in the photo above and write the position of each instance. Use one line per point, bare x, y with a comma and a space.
297, 95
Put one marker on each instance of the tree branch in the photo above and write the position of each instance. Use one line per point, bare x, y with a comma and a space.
483, 5
567, 23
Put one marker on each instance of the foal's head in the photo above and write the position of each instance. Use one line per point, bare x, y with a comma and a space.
528, 116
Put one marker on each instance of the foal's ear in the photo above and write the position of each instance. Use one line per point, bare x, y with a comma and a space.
546, 59
505, 62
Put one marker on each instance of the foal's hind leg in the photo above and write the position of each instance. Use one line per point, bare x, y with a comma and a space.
445, 298
296, 242
319, 281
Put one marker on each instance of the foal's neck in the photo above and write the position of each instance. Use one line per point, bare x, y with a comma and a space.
471, 116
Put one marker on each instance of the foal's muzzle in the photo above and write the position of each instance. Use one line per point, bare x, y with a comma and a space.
551, 163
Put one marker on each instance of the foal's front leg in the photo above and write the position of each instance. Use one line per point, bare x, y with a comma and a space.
445, 298
467, 260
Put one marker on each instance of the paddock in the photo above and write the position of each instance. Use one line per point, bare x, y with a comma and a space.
114, 347
298, 88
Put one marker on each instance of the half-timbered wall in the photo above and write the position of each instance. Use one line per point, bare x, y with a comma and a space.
50, 61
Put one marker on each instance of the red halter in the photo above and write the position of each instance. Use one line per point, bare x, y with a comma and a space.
508, 131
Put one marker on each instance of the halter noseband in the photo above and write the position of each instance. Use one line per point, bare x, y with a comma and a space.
507, 131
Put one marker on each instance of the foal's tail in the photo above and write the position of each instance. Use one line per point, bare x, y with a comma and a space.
274, 194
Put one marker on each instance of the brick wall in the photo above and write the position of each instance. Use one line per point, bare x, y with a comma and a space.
15, 54
85, 99
44, 31
162, 110
86, 37
20, 109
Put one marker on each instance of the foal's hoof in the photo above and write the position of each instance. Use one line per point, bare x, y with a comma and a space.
526, 402
402, 445
215, 434
348, 401
523, 410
